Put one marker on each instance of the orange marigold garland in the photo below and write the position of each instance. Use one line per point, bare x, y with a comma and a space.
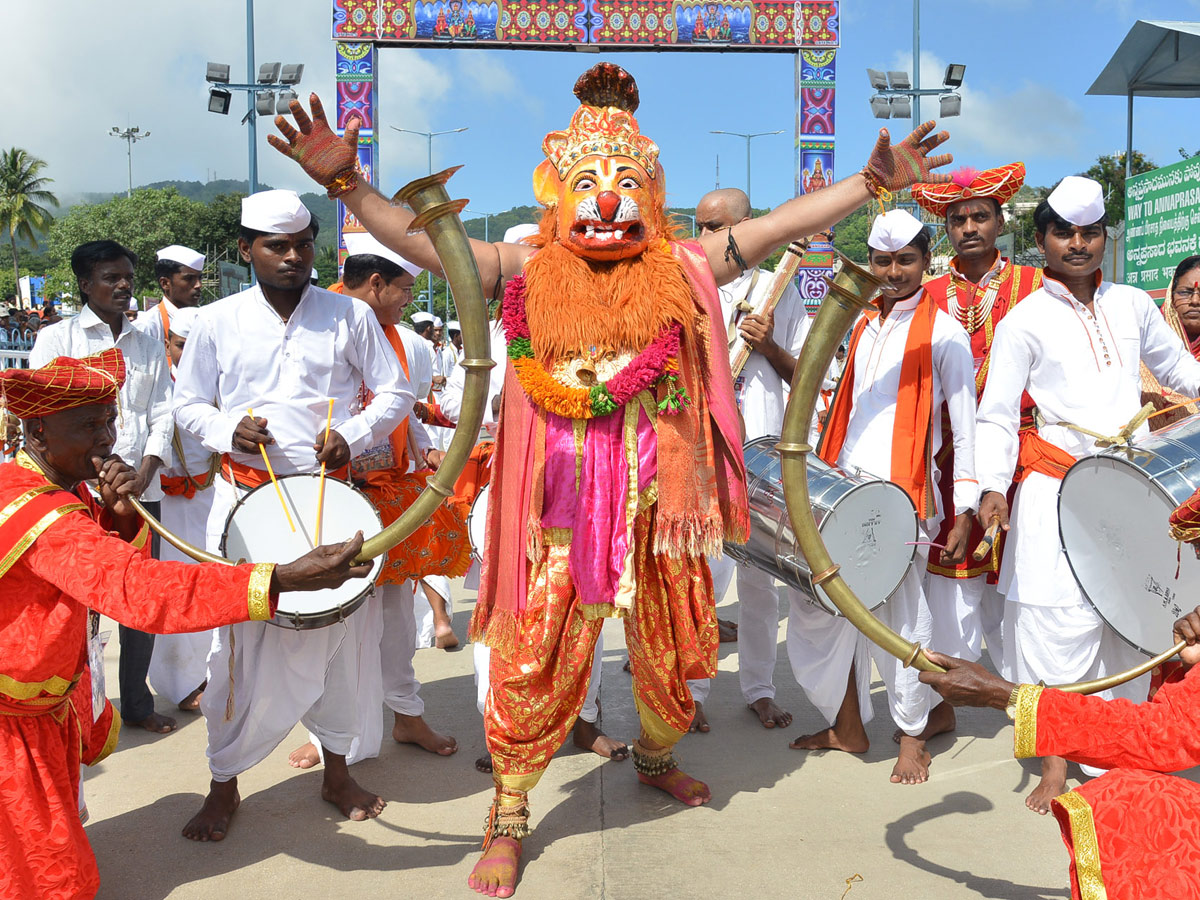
657, 363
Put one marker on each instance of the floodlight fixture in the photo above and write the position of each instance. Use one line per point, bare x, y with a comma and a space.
899, 81
880, 107
268, 73
292, 73
264, 103
954, 75
218, 73
282, 99
219, 100
901, 107
878, 79
951, 105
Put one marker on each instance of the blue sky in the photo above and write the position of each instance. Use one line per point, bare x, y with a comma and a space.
1029, 65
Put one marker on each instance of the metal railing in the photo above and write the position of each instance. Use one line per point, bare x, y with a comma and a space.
14, 348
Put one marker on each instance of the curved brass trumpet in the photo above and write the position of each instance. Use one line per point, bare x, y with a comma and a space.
850, 293
437, 216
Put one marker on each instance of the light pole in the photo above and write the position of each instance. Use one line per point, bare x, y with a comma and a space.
748, 138
686, 216
130, 136
486, 216
429, 136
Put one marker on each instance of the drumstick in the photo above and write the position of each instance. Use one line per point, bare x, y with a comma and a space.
989, 538
278, 490
321, 483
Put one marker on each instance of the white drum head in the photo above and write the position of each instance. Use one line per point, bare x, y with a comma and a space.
257, 530
1112, 520
477, 521
868, 533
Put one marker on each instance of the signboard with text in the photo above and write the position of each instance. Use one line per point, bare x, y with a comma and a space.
1162, 223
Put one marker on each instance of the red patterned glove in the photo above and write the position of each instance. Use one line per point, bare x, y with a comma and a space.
894, 168
329, 160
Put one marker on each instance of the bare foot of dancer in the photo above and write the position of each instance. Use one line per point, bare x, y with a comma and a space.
191, 703
1053, 783
495, 875
727, 631
155, 723
212, 822
484, 764
305, 756
415, 730
770, 713
847, 733
941, 721
588, 736
699, 721
912, 766
345, 793
680, 785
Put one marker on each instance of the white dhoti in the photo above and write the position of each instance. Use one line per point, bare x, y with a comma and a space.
263, 679
967, 613
591, 703
179, 664
822, 647
385, 631
1056, 636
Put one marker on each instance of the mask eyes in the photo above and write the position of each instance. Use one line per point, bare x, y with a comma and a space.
629, 184
585, 184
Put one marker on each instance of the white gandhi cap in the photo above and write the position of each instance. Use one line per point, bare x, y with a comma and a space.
275, 212
893, 231
360, 243
1079, 200
421, 317
182, 320
185, 256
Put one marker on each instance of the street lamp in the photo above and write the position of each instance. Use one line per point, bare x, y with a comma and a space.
898, 98
485, 220
748, 138
130, 136
683, 215
261, 95
429, 136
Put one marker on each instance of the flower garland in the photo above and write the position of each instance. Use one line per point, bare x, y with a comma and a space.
657, 363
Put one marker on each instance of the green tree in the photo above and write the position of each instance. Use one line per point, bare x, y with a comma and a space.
23, 200
217, 227
145, 223
1109, 170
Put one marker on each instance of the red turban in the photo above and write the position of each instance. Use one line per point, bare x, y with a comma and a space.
1000, 184
63, 383
1185, 520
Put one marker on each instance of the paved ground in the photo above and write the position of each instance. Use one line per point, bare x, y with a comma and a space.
782, 823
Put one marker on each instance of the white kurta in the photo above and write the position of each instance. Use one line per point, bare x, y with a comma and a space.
149, 321
243, 354
1082, 368
821, 651
144, 425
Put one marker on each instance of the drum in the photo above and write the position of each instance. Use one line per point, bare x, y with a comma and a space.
257, 530
477, 522
868, 525
1112, 521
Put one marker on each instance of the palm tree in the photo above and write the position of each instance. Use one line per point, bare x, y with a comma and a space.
22, 195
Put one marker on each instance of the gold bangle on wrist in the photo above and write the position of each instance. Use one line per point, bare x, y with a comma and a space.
1011, 709
342, 184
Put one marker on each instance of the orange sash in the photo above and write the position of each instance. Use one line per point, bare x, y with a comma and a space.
1037, 454
912, 436
476, 474
248, 477
400, 435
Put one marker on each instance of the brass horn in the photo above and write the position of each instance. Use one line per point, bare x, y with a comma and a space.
436, 215
849, 294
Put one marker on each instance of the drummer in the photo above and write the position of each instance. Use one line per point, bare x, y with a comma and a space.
978, 291
392, 473
283, 348
906, 362
1075, 345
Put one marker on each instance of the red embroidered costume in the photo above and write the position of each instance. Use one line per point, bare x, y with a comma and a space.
57, 560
